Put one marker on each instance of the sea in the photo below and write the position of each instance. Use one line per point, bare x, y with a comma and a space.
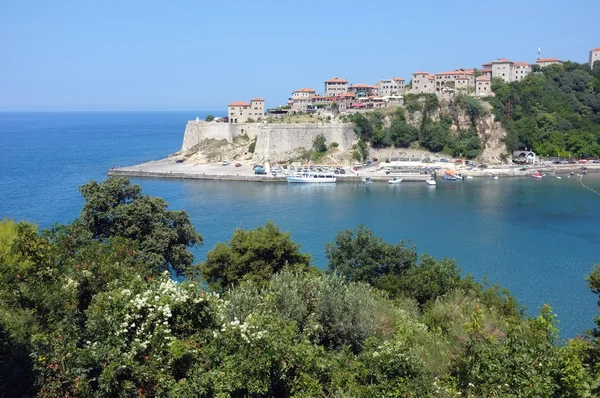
538, 238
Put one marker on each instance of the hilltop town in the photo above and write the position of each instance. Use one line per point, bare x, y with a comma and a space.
340, 96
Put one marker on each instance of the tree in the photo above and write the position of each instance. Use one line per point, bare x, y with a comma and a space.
434, 136
362, 257
209, 118
252, 255
402, 134
319, 143
115, 208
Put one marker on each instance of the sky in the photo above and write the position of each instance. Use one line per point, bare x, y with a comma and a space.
200, 55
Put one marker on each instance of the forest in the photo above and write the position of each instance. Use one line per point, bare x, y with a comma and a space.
113, 305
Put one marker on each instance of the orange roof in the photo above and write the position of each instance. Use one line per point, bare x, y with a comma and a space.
456, 72
548, 60
361, 85
398, 79
420, 73
486, 70
596, 49
239, 103
257, 99
488, 64
431, 77
521, 64
347, 95
305, 90
336, 80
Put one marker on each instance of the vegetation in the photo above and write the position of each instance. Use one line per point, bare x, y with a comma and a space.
555, 111
319, 144
88, 310
433, 134
209, 118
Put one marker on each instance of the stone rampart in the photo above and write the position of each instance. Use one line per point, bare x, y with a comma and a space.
274, 141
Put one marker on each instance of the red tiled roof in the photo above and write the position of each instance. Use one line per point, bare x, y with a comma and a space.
336, 80
347, 95
361, 85
521, 64
486, 70
454, 72
305, 90
488, 64
431, 77
420, 73
257, 99
398, 79
548, 60
596, 49
239, 103
483, 79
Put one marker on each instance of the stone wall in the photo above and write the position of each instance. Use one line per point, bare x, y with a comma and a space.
274, 141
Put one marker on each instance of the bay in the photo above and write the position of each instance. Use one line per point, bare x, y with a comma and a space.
537, 238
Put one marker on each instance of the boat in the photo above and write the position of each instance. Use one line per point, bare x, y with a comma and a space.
537, 175
449, 175
431, 182
367, 180
311, 177
558, 177
494, 176
395, 180
469, 177
225, 163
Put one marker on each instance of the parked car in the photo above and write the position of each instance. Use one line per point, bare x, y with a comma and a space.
342, 171
444, 160
179, 161
238, 165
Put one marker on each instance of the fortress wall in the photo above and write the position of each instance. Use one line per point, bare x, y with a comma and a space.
275, 141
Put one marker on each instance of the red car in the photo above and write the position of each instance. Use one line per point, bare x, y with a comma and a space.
238, 165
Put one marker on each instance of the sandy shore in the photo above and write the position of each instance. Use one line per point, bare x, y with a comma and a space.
168, 168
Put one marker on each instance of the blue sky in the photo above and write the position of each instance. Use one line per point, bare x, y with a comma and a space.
200, 55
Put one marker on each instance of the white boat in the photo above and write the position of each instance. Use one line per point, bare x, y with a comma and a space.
431, 182
537, 175
225, 163
367, 180
395, 180
311, 177
494, 176
558, 177
469, 177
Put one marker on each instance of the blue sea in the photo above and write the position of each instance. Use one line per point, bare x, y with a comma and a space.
539, 239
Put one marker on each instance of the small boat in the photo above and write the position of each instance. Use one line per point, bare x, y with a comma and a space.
431, 182
469, 177
310, 177
558, 177
367, 180
395, 180
537, 175
494, 176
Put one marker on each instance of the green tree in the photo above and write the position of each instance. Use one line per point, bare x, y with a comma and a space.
115, 208
362, 257
252, 255
319, 144
209, 118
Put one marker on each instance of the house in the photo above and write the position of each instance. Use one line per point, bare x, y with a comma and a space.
543, 62
520, 70
451, 82
483, 86
241, 111
594, 56
362, 90
387, 87
507, 70
335, 86
422, 83
302, 100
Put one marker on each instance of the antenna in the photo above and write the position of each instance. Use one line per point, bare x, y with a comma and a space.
539, 52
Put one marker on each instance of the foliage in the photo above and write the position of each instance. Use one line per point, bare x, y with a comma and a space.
319, 144
555, 112
115, 208
252, 255
467, 144
209, 118
252, 146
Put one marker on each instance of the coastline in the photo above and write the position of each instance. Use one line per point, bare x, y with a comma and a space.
169, 169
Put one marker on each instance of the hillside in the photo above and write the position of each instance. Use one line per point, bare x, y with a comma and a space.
555, 111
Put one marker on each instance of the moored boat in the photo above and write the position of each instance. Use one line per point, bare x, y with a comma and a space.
310, 177
537, 175
395, 180
367, 180
431, 182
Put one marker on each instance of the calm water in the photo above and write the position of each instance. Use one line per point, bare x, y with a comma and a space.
537, 238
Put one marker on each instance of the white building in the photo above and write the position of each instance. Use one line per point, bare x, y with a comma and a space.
594, 56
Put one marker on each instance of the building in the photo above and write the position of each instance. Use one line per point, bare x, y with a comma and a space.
335, 86
423, 83
524, 157
483, 86
362, 90
520, 70
543, 62
302, 99
390, 87
454, 81
594, 56
241, 111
